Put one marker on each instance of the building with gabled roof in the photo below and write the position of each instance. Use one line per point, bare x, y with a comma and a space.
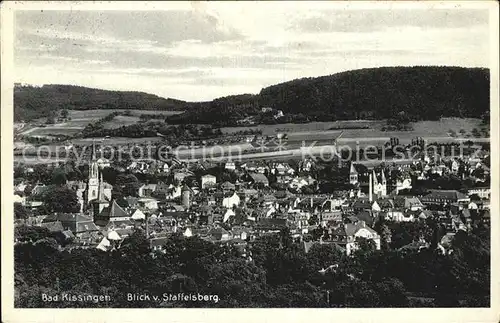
76, 223
346, 235
112, 212
444, 196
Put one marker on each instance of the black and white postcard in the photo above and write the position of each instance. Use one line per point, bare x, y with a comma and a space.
312, 160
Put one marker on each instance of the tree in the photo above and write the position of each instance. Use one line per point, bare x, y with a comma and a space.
322, 256
129, 184
59, 177
64, 113
385, 236
18, 171
60, 199
364, 246
21, 212
474, 197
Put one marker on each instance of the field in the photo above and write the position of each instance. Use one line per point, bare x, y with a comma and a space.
116, 141
81, 118
312, 135
120, 121
421, 128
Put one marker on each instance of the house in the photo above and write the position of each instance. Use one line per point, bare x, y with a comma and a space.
113, 212
229, 213
367, 216
267, 200
137, 215
77, 223
482, 192
415, 246
306, 164
270, 224
282, 169
53, 226
148, 203
230, 165
17, 198
446, 243
254, 167
472, 206
167, 192
361, 204
103, 163
208, 181
231, 201
259, 179
297, 183
38, 189
219, 234
146, 190
180, 175
20, 187
228, 186
248, 193
485, 216
425, 214
346, 235
299, 219
403, 183
188, 233
158, 243
335, 215
408, 203
240, 233
445, 197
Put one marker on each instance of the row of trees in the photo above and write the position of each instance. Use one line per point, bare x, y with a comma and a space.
281, 274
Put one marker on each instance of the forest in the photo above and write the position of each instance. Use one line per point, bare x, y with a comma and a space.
32, 102
421, 92
280, 274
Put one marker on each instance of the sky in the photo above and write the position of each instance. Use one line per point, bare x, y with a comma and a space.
200, 51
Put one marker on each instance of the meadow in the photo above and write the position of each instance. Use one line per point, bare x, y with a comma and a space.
79, 119
431, 130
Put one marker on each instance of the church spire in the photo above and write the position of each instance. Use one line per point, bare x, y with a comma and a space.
93, 150
101, 188
375, 180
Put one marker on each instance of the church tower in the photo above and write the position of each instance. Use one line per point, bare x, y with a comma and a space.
353, 175
93, 179
383, 188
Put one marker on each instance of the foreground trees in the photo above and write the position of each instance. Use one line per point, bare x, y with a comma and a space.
280, 274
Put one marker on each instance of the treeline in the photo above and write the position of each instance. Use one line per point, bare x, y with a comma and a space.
32, 102
152, 129
423, 93
222, 112
280, 273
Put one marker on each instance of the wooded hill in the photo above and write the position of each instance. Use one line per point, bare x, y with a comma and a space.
34, 102
422, 93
